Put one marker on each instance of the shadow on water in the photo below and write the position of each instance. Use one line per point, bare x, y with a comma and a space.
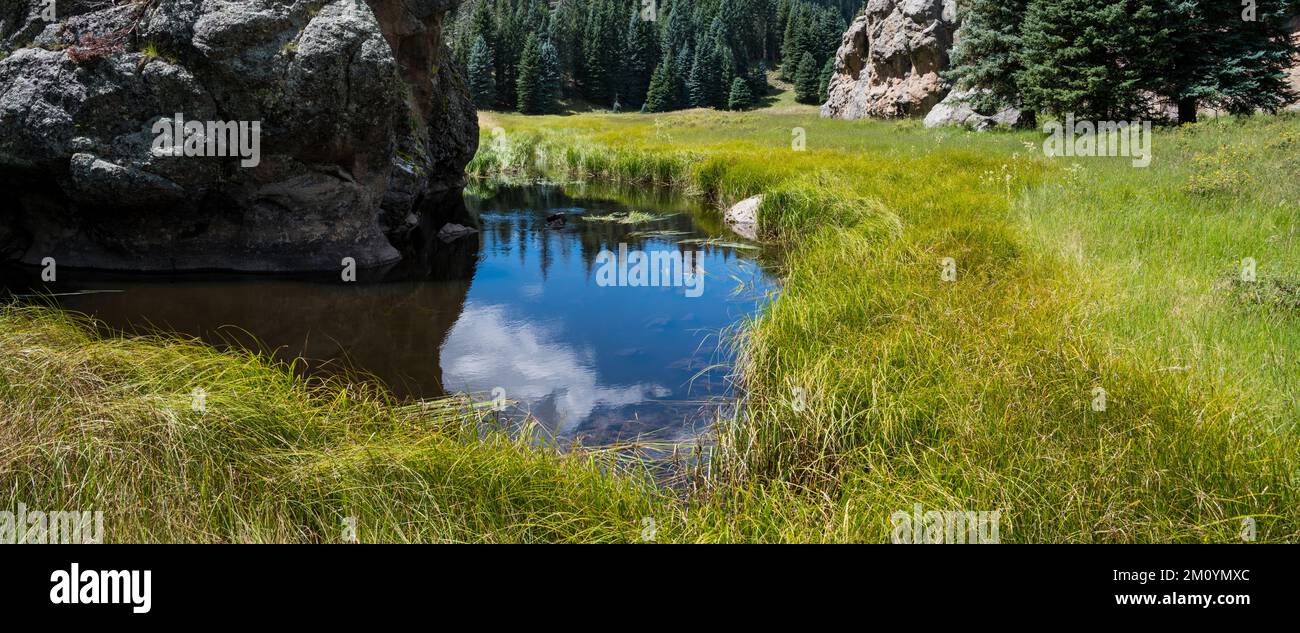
514, 310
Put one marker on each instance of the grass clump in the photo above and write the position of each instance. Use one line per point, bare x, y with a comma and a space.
626, 217
110, 425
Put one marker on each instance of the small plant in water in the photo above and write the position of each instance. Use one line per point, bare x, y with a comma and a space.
627, 217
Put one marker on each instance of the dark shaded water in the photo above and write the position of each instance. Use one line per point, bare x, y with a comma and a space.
514, 310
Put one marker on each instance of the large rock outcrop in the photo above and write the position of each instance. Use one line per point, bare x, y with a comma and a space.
889, 62
362, 127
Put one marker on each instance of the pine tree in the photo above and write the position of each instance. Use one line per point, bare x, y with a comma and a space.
603, 49
806, 80
758, 79
642, 51
564, 33
529, 75
1218, 55
697, 81
719, 67
740, 97
549, 79
677, 34
987, 56
507, 45
598, 57
681, 75
824, 32
824, 81
1078, 57
661, 95
791, 53
482, 82
776, 35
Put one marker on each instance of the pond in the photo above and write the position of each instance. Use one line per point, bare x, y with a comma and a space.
557, 319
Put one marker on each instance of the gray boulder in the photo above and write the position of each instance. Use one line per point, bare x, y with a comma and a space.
955, 110
359, 124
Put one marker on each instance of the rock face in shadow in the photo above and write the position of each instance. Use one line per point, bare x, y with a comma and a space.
889, 62
391, 324
357, 122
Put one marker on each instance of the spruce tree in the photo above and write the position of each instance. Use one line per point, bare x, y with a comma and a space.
604, 49
507, 44
824, 80
791, 53
740, 97
697, 81
1224, 55
482, 82
1086, 57
987, 57
529, 75
599, 58
720, 69
682, 65
565, 33
661, 97
758, 79
642, 51
806, 80
549, 79
824, 32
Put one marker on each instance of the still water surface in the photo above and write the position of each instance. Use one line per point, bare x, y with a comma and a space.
515, 307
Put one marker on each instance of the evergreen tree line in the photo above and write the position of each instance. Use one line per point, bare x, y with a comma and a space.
527, 55
1124, 59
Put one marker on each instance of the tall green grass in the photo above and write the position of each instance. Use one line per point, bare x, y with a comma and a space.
973, 394
977, 394
109, 425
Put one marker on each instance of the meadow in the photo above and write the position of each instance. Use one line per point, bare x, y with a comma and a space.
1077, 280
873, 383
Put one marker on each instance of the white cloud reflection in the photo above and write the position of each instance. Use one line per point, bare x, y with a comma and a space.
485, 350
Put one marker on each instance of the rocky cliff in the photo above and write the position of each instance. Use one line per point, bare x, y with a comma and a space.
889, 62
252, 135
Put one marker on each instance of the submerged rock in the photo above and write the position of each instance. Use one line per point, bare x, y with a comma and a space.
451, 232
889, 62
251, 135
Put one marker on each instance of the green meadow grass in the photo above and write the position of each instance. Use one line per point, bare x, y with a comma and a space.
108, 424
978, 394
973, 394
